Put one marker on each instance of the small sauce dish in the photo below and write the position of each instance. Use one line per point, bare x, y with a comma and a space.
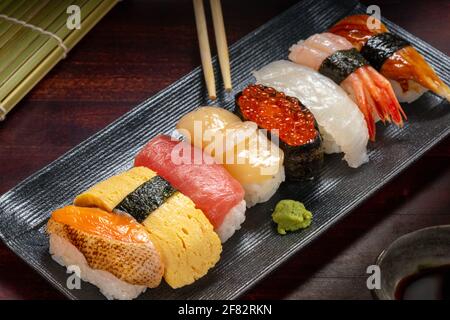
416, 266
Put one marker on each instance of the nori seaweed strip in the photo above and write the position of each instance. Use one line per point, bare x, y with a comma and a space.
341, 64
303, 162
147, 198
381, 46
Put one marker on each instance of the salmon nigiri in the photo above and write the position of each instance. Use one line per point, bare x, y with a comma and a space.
393, 56
111, 251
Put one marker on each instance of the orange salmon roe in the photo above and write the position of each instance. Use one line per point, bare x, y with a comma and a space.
272, 110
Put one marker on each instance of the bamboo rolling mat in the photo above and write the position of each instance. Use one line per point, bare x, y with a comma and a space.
34, 37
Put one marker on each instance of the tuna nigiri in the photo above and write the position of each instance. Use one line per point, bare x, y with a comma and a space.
393, 56
206, 183
336, 58
113, 252
188, 245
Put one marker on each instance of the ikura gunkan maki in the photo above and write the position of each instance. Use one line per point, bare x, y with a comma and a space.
288, 119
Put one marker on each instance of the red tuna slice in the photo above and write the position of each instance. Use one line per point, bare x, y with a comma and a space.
196, 175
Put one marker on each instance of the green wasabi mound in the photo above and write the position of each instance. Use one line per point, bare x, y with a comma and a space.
291, 215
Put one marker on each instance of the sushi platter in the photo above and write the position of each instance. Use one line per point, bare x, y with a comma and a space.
146, 209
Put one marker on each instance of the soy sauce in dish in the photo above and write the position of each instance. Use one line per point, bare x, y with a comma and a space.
427, 284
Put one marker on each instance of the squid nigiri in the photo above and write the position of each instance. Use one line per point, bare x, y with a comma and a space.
335, 57
393, 56
340, 121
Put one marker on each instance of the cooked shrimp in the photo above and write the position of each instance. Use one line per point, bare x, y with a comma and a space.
370, 90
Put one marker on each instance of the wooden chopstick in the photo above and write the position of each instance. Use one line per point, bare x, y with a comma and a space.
205, 51
221, 41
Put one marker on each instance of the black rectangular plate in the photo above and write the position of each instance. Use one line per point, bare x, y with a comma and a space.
256, 249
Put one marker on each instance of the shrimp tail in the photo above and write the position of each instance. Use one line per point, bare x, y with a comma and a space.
374, 96
387, 96
354, 87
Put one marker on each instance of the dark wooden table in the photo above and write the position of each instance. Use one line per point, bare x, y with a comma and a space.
143, 46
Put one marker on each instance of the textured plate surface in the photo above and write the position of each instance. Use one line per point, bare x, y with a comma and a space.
256, 249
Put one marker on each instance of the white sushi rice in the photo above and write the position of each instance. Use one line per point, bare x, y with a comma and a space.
262, 192
328, 144
232, 222
111, 287
415, 91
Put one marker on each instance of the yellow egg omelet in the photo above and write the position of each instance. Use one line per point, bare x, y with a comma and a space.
186, 239
109, 193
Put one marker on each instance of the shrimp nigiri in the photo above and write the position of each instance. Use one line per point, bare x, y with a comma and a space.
335, 57
393, 56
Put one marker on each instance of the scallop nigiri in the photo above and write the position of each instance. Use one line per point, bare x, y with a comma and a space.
335, 57
244, 151
340, 121
393, 56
